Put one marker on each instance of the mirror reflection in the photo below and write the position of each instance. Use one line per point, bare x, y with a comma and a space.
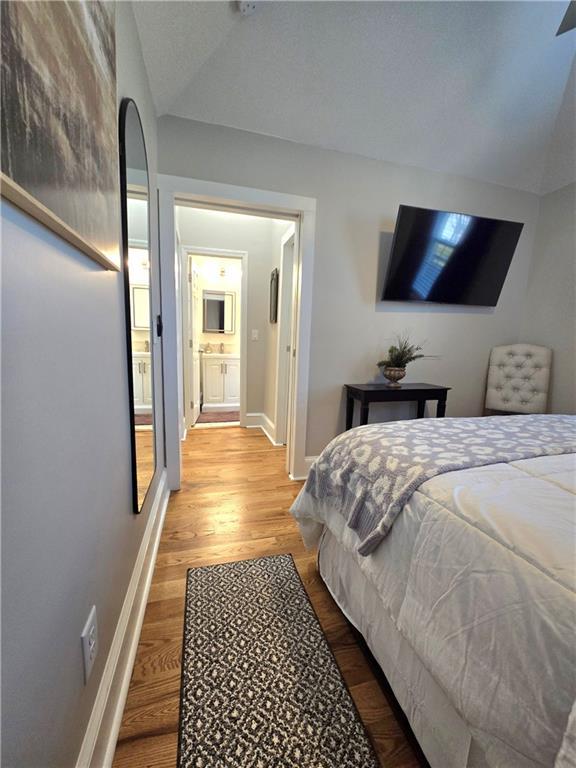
138, 300
219, 312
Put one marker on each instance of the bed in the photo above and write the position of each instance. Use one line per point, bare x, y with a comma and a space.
458, 568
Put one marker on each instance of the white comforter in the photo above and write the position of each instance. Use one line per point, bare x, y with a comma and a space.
478, 574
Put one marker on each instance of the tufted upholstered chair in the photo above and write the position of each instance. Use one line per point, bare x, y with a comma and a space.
518, 377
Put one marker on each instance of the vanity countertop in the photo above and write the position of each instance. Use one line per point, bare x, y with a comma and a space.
228, 355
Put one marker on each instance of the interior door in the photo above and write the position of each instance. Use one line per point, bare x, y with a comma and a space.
232, 381
284, 340
194, 313
295, 298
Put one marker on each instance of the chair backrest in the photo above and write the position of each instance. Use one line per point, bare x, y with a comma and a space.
518, 377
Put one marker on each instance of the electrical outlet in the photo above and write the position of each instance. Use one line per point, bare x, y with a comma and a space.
255, 334
246, 9
89, 639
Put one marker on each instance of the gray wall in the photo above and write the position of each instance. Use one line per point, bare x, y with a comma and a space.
357, 200
560, 166
550, 306
69, 538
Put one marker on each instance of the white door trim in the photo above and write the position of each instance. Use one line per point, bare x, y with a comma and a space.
192, 250
284, 359
191, 412
267, 202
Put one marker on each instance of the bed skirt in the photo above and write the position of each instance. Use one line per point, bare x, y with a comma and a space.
443, 736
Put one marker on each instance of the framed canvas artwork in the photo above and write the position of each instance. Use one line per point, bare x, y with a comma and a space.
58, 123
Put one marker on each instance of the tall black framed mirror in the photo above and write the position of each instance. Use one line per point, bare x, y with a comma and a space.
135, 200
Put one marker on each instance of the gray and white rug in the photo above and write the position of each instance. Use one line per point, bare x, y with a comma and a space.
260, 686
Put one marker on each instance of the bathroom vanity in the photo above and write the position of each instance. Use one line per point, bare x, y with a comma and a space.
220, 382
142, 379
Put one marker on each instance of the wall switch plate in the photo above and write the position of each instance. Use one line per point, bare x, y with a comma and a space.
89, 639
255, 334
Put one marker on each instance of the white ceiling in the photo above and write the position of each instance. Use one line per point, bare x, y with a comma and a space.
471, 88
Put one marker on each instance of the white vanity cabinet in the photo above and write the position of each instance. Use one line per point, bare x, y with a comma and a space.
142, 377
213, 380
232, 380
220, 381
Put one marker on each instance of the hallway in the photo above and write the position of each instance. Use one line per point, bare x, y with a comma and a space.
233, 505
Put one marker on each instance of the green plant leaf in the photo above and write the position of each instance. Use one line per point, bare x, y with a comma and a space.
402, 353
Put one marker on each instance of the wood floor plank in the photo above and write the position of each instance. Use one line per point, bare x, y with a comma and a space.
233, 505
147, 752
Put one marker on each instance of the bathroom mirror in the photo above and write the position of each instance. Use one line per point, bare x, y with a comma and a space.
137, 297
219, 310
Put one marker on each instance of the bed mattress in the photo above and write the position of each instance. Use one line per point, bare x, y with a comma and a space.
476, 578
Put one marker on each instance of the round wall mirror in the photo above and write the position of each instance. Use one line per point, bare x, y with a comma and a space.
137, 293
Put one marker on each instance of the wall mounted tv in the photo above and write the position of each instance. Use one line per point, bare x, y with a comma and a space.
449, 258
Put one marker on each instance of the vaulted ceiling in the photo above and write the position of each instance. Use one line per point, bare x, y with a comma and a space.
479, 89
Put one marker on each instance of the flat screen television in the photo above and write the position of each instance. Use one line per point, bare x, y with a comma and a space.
448, 257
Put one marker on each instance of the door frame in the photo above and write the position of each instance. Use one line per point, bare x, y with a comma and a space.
191, 413
172, 189
188, 252
285, 339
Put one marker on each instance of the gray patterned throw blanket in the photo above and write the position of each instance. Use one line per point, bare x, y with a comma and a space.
370, 472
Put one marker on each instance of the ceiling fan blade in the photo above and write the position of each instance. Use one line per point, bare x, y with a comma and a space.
569, 20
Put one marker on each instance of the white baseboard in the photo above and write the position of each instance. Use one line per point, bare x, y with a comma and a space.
302, 472
269, 430
99, 742
252, 420
220, 407
262, 421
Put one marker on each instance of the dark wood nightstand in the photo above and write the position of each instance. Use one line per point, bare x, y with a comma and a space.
381, 393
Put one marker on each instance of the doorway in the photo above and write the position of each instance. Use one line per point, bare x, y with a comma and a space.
212, 336
237, 282
175, 192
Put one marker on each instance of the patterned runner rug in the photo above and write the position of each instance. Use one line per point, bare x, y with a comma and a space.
260, 686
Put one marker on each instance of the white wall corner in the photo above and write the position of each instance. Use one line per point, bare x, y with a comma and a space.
172, 337
99, 744
269, 429
252, 420
301, 470
260, 420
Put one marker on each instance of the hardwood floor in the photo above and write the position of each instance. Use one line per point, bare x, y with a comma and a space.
145, 461
233, 504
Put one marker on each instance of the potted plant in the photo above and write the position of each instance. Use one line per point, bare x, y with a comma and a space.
399, 355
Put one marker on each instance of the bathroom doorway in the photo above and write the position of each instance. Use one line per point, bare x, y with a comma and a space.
237, 291
212, 324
